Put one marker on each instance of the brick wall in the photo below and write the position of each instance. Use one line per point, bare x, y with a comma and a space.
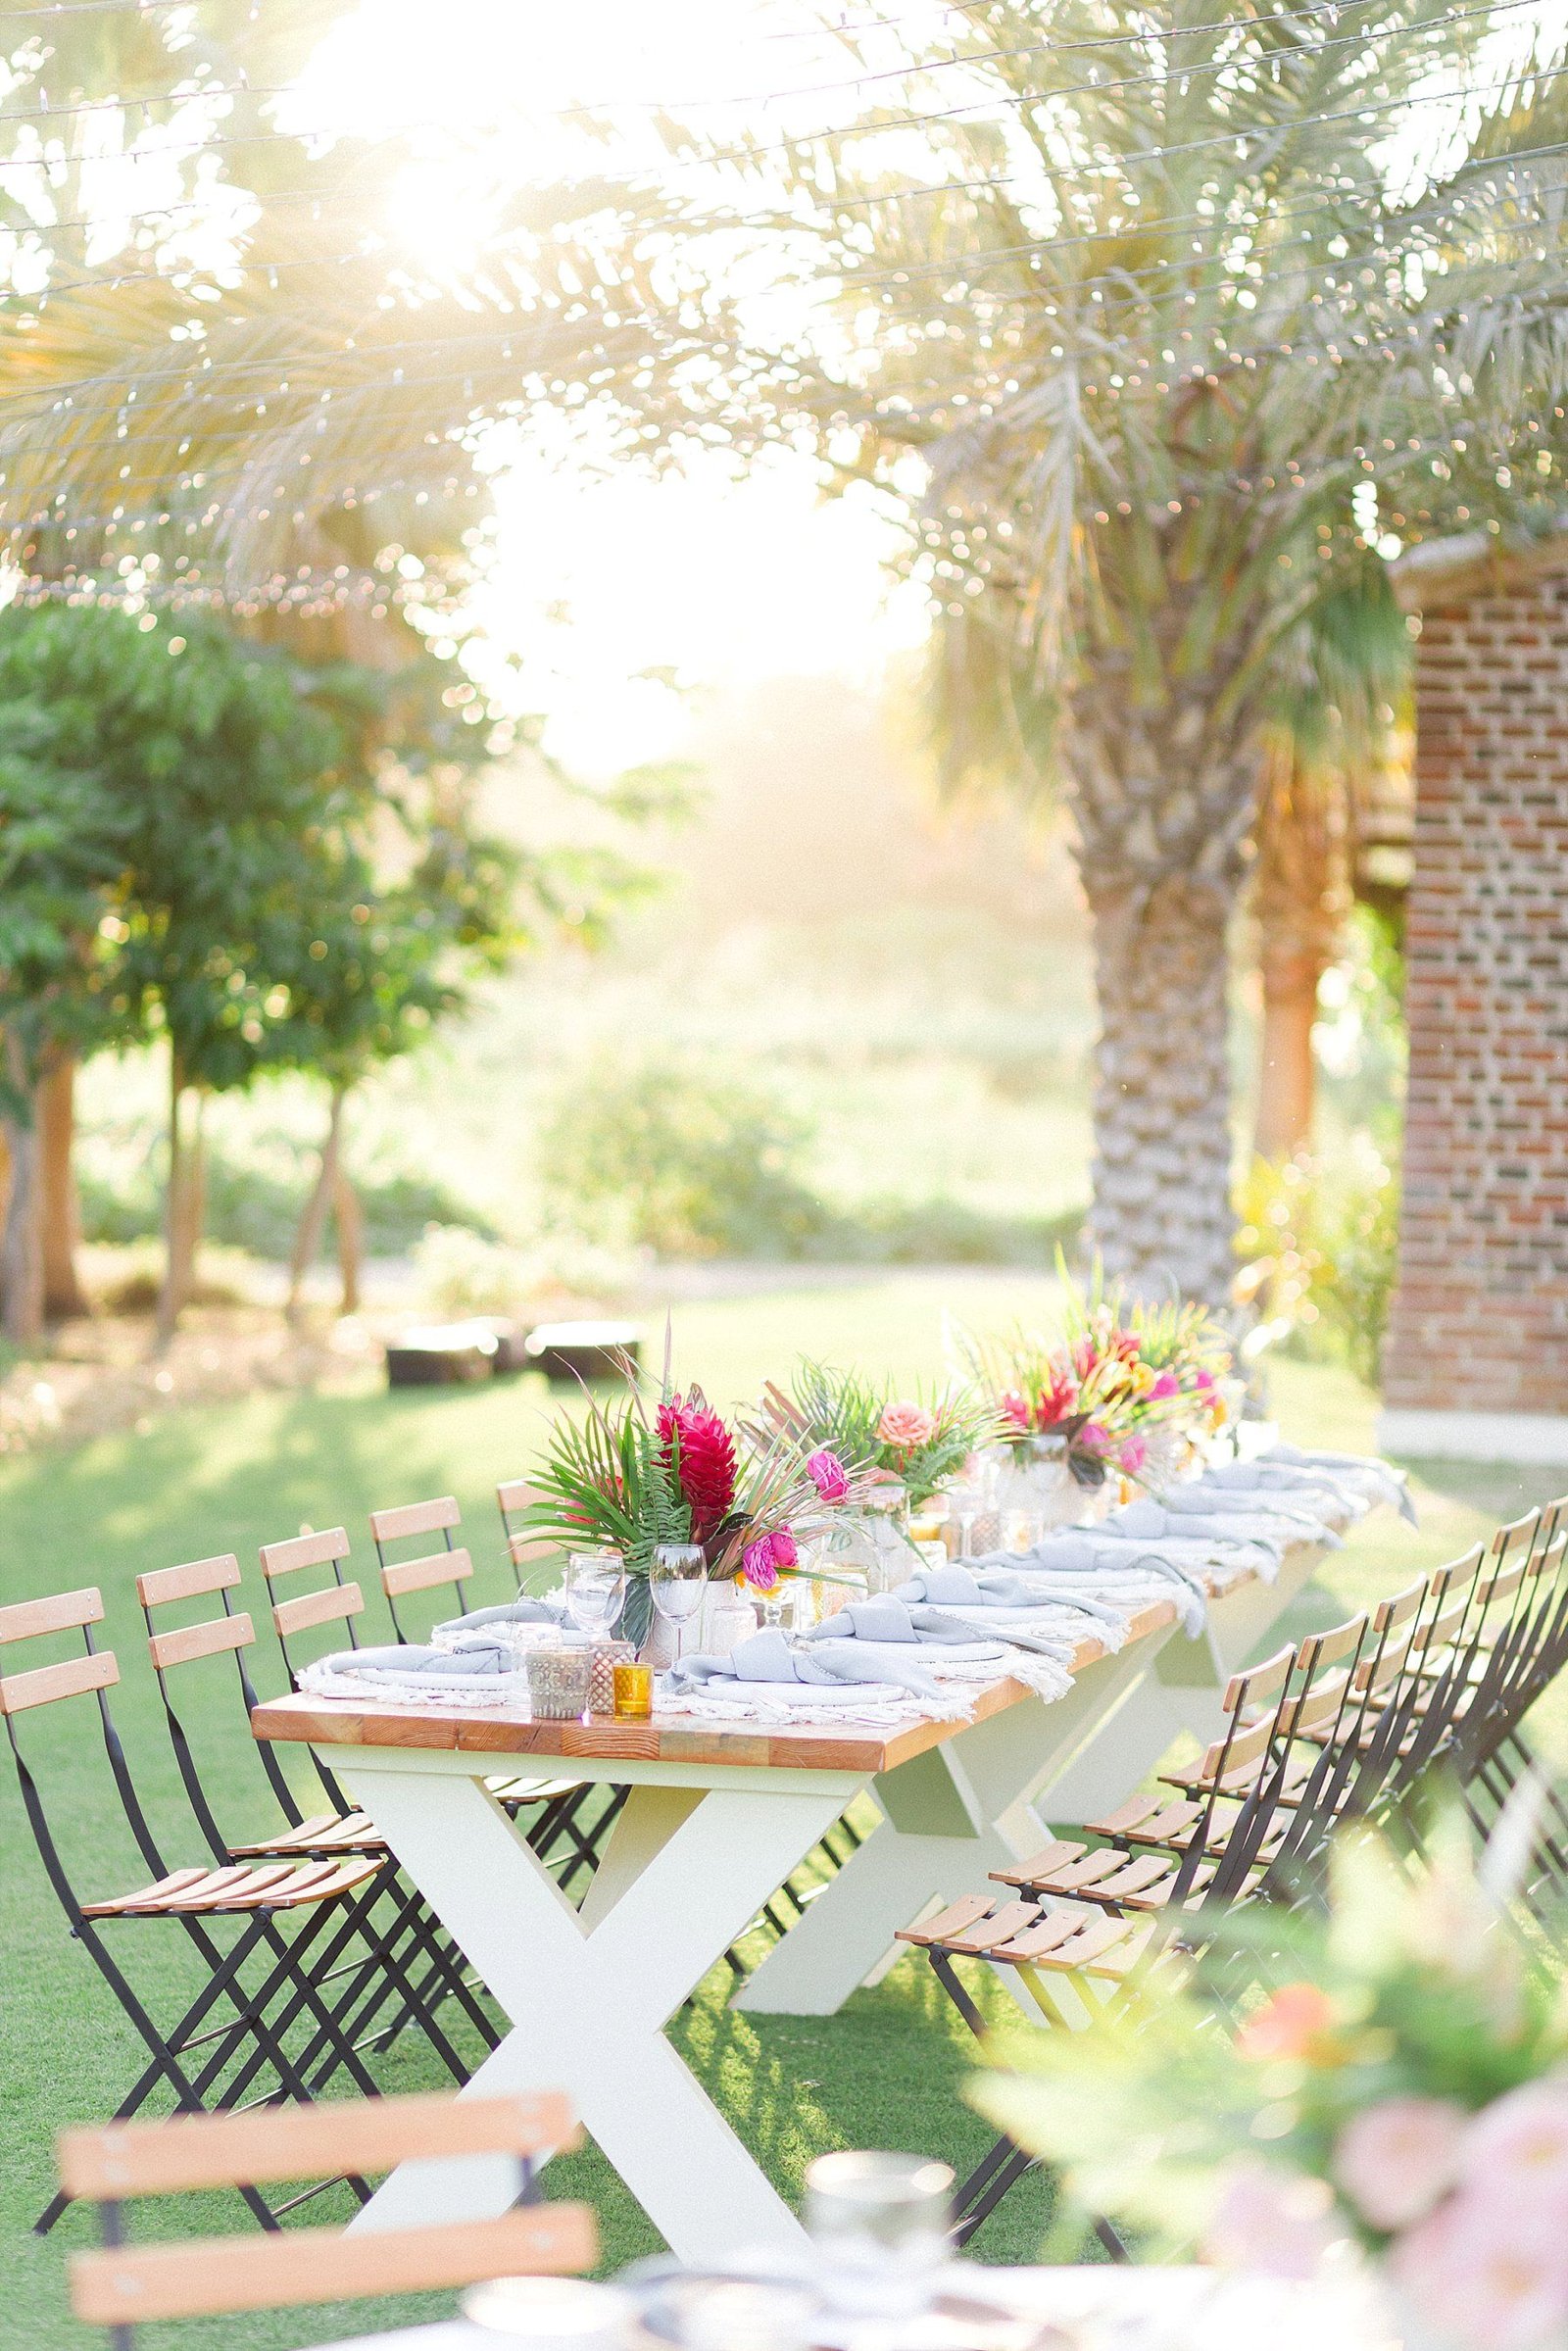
1480, 1320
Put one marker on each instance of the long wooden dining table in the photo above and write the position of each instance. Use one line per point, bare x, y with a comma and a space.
715, 1818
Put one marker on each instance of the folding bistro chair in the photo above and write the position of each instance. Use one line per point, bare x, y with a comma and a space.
258, 1981
390, 1953
122, 2285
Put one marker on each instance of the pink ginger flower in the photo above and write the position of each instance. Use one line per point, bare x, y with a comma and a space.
906, 1427
1394, 2161
1166, 1385
1014, 1409
829, 1476
1056, 1401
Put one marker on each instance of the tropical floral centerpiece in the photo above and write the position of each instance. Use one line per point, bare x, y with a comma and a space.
643, 1471
1399, 2084
1121, 1374
922, 1441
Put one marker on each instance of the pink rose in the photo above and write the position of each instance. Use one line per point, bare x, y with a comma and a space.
784, 1553
1272, 2220
1014, 1409
905, 1427
829, 1476
1166, 1385
1134, 1453
759, 1564
1394, 2161
1520, 2143
1488, 2269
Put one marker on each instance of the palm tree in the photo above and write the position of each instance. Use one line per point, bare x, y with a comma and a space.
1176, 365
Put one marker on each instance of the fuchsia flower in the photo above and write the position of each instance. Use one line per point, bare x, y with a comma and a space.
906, 1427
1166, 1385
757, 1564
1134, 1453
1203, 1381
829, 1476
1094, 1437
1014, 1409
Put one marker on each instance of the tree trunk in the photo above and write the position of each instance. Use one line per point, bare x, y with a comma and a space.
185, 1201
1162, 1219
59, 1211
1298, 898
312, 1216
21, 1249
349, 1237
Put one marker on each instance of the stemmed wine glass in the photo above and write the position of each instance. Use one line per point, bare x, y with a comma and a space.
596, 1585
676, 1582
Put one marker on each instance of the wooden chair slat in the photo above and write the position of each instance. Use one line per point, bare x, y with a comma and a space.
1327, 1648
188, 1641
74, 1678
304, 1550
1043, 1864
990, 1933
192, 1581
402, 1576
1399, 1607
208, 2277
327, 1606
1257, 1683
1053, 1928
1135, 1813
61, 1612
1146, 1871
1099, 1936
952, 1921
517, 1493
305, 2142
416, 1518
526, 1547
1087, 1871
1233, 1754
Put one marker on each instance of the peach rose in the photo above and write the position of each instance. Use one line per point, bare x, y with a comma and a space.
905, 1427
1289, 2023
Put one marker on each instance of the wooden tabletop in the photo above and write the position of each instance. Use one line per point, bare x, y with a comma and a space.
669, 1738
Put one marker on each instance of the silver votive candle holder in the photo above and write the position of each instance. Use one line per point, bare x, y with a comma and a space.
557, 1684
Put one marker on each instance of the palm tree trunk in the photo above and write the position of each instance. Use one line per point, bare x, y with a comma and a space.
1161, 1217
21, 1251
59, 1211
1287, 1081
312, 1216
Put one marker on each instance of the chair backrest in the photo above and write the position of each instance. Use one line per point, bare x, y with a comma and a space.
526, 1550
336, 1603
121, 2285
451, 1566
91, 1673
231, 1634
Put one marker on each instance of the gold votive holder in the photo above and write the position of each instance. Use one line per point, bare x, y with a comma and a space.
604, 1657
633, 1686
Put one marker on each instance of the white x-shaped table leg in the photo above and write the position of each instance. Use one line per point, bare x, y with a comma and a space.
685, 1872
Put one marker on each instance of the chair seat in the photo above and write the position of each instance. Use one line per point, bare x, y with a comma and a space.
1068, 1938
326, 1833
237, 1888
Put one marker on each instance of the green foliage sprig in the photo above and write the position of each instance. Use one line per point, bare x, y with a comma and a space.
845, 1412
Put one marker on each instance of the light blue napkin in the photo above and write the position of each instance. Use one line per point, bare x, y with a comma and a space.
768, 1657
409, 1662
1390, 1485
1078, 1567
521, 1612
902, 1618
1200, 1498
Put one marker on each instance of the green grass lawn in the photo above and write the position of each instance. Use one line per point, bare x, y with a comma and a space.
888, 2071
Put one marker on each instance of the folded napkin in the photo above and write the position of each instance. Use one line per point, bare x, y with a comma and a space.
770, 1657
1105, 1580
481, 1675
521, 1612
1200, 1498
409, 1663
903, 1619
1380, 1477
1145, 1522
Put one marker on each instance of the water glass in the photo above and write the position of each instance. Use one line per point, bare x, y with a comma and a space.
1020, 1530
596, 1585
677, 1583
881, 2223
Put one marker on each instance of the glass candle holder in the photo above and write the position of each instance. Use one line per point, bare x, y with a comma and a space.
633, 1692
557, 1684
881, 2224
604, 1657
